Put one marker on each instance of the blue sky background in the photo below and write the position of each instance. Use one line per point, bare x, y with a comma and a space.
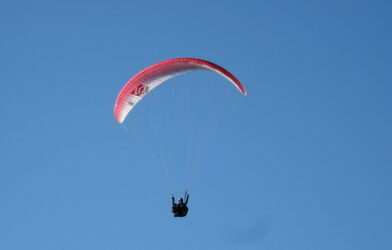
303, 162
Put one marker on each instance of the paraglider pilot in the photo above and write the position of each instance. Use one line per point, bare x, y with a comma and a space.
180, 209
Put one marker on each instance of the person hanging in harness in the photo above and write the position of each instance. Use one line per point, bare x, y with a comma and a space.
180, 209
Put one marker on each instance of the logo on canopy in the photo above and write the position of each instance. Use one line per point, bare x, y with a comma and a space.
140, 90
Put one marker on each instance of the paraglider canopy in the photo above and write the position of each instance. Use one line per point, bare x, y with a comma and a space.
149, 78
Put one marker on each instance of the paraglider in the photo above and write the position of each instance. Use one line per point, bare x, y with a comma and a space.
180, 209
151, 77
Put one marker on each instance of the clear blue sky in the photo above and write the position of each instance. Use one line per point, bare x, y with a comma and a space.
304, 161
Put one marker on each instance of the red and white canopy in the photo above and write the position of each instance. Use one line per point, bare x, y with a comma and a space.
149, 78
